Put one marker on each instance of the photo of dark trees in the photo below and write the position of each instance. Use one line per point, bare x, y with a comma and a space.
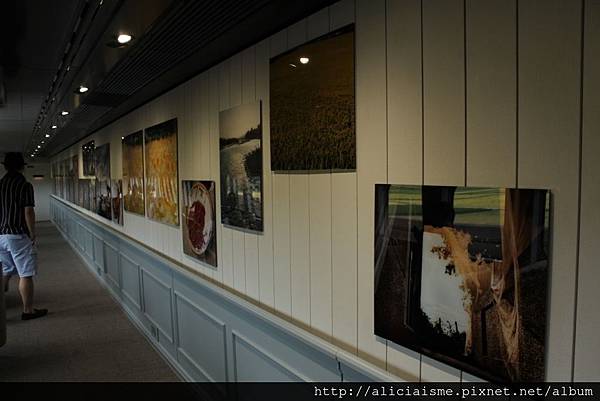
461, 275
87, 153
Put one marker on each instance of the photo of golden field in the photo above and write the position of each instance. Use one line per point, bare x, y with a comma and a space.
162, 188
312, 106
133, 173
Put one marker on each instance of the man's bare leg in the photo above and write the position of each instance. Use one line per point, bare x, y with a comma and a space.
5, 281
26, 291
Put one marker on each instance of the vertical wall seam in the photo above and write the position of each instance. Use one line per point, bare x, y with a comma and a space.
579, 189
356, 192
517, 117
387, 126
422, 141
465, 87
422, 105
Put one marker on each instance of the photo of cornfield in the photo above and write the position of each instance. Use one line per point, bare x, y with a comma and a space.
240, 156
199, 225
117, 201
312, 105
461, 275
161, 186
87, 158
133, 173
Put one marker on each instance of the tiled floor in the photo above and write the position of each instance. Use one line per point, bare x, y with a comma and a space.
85, 337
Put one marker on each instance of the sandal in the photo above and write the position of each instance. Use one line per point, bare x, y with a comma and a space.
36, 313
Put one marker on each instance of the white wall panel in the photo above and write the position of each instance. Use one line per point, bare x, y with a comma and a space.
549, 94
213, 114
371, 143
444, 92
265, 241
281, 244
344, 267
227, 234
404, 95
320, 296
587, 341
300, 247
491, 38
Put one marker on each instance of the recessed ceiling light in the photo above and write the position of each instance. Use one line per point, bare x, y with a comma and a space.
293, 65
304, 60
39, 146
64, 113
47, 135
122, 137
42, 142
82, 89
54, 127
124, 38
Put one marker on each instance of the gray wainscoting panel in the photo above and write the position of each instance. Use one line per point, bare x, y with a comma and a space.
206, 333
98, 252
202, 340
254, 364
156, 295
111, 265
130, 280
89, 244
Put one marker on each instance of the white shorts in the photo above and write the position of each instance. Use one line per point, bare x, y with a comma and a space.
18, 255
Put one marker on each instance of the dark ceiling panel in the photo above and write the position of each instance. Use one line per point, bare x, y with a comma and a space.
190, 37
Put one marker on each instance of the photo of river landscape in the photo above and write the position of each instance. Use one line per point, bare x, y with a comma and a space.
241, 166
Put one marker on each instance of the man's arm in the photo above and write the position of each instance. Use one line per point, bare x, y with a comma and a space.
30, 221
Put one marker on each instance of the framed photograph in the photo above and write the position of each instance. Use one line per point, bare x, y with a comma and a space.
312, 105
87, 158
240, 153
117, 201
133, 173
162, 186
102, 181
199, 225
461, 275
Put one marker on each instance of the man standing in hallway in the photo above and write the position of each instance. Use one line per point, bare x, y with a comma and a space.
17, 232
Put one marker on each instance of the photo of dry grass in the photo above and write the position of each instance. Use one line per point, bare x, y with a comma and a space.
161, 185
133, 172
461, 275
312, 105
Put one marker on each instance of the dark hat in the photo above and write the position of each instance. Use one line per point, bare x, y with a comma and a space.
14, 160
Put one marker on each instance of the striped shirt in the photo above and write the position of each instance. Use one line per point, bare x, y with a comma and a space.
15, 194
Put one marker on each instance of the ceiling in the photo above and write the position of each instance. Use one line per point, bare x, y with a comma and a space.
32, 37
64, 47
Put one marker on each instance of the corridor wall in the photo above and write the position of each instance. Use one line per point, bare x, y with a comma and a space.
448, 92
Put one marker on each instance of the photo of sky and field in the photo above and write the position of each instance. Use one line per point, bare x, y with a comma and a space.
312, 106
461, 275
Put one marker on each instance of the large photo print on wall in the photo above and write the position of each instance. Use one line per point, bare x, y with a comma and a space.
162, 187
133, 172
461, 276
87, 158
103, 190
199, 226
240, 155
312, 101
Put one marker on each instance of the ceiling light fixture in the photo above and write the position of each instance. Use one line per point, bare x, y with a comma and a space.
82, 89
304, 60
124, 38
39, 146
54, 127
47, 135
64, 113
